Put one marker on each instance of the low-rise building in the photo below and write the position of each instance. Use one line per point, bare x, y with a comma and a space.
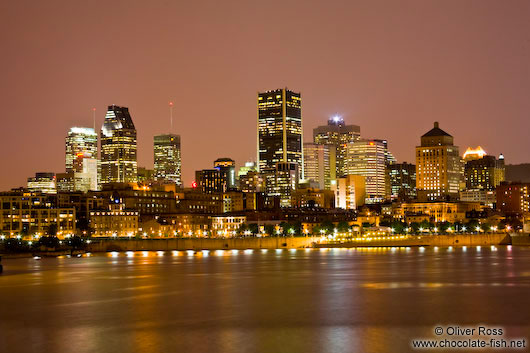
114, 222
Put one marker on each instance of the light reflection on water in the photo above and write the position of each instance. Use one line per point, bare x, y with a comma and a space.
305, 300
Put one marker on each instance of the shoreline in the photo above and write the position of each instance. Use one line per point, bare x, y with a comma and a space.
272, 243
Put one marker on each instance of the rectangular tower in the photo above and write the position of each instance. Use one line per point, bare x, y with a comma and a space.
279, 129
167, 155
118, 147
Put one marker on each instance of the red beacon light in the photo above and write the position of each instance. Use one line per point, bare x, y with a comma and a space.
194, 184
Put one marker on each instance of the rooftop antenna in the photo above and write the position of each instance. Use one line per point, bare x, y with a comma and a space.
94, 117
171, 116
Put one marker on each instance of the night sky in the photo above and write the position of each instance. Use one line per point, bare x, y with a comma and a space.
392, 67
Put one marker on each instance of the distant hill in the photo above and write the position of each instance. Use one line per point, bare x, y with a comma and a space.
518, 172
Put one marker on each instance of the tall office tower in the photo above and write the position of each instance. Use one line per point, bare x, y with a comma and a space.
283, 181
483, 172
319, 164
438, 166
350, 191
167, 158
369, 159
118, 147
252, 181
209, 181
279, 129
337, 134
227, 167
402, 178
80, 140
43, 183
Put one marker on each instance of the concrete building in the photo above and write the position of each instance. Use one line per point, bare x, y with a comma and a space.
337, 134
514, 198
369, 159
313, 198
30, 214
80, 141
282, 182
438, 166
485, 172
439, 211
320, 164
210, 181
227, 167
117, 221
350, 192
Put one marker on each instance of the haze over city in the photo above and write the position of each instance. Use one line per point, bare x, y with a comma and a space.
392, 68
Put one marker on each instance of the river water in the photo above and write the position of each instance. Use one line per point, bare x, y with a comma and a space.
308, 300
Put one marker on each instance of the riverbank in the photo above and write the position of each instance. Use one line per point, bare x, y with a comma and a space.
197, 244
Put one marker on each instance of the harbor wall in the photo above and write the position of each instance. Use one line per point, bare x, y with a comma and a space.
291, 242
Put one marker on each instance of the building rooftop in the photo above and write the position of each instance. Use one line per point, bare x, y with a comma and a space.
436, 131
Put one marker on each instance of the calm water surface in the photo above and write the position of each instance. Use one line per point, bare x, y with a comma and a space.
312, 300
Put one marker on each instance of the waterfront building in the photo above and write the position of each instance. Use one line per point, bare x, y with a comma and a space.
117, 221
80, 141
311, 197
514, 198
227, 167
167, 157
42, 183
402, 179
30, 214
320, 164
283, 181
438, 211
438, 166
279, 129
227, 226
233, 201
369, 158
350, 192
118, 147
337, 134
483, 172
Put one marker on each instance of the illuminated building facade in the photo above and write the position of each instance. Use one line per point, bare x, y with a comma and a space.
402, 178
514, 198
167, 158
118, 147
439, 211
369, 159
210, 181
283, 181
279, 129
337, 134
248, 167
350, 192
252, 181
438, 166
313, 198
80, 141
319, 164
31, 214
43, 182
227, 167
114, 222
484, 173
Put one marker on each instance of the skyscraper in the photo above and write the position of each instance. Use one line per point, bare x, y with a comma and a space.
279, 129
283, 181
168, 158
118, 147
42, 183
319, 164
80, 141
402, 178
484, 172
337, 134
369, 158
438, 166
209, 181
